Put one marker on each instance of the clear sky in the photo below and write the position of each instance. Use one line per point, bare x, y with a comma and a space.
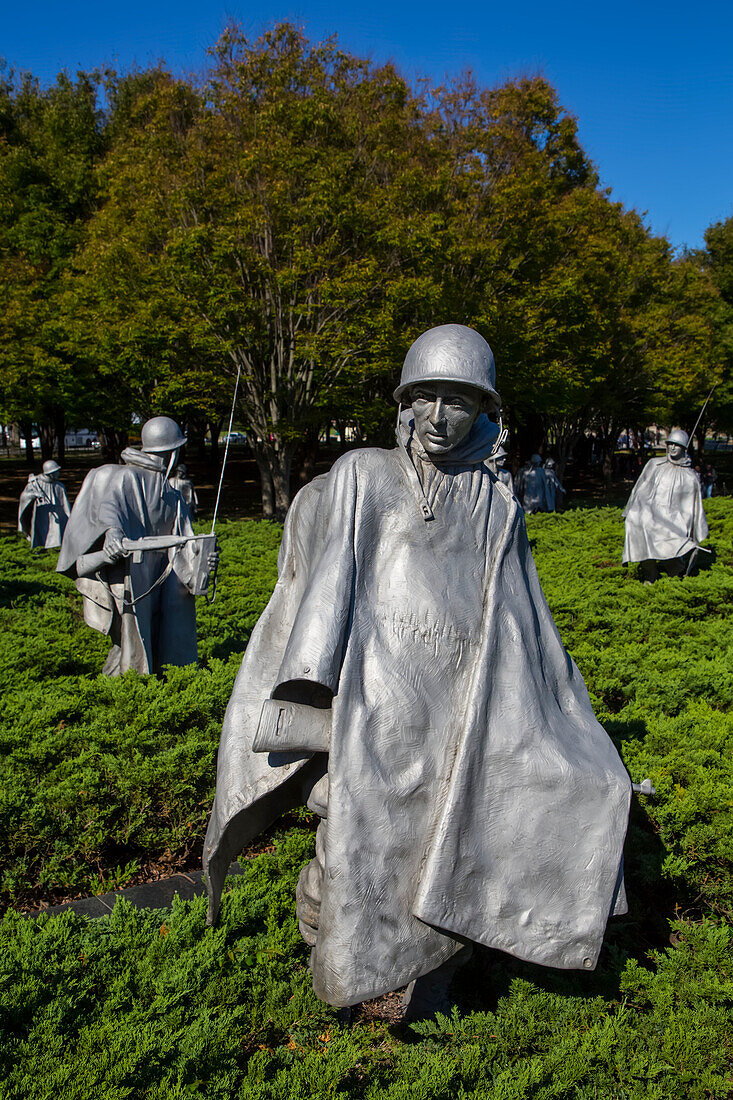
651, 83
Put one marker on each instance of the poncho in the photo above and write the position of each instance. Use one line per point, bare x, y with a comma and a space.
150, 618
43, 521
472, 793
664, 516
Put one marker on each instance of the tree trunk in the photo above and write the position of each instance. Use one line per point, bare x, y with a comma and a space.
267, 487
530, 437
60, 430
114, 443
214, 429
26, 427
47, 435
308, 453
197, 438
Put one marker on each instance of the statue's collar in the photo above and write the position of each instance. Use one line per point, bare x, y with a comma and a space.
132, 457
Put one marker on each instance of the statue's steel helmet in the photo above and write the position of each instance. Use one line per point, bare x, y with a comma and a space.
161, 434
678, 436
550, 462
536, 460
450, 353
501, 453
50, 468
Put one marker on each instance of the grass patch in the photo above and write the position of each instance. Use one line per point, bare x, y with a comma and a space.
99, 776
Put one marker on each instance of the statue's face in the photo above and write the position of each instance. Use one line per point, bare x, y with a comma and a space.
444, 414
675, 450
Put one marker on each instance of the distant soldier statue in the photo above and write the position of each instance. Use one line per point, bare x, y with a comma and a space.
44, 508
665, 518
497, 464
408, 681
130, 548
555, 488
180, 480
533, 488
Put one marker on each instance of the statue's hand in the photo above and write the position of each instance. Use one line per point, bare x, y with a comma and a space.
213, 562
113, 550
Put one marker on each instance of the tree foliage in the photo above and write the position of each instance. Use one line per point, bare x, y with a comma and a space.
297, 218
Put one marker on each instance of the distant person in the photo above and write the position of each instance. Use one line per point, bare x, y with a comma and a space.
535, 492
665, 519
555, 488
180, 481
44, 508
142, 600
496, 463
708, 480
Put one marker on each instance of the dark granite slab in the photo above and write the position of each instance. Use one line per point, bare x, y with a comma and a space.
148, 895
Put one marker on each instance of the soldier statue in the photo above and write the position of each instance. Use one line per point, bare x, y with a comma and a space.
534, 492
408, 681
665, 518
555, 488
497, 464
180, 480
44, 508
130, 548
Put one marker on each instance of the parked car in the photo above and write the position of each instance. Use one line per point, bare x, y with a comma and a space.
233, 437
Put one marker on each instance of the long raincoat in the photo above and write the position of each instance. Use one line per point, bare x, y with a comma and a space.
43, 511
664, 516
144, 606
472, 793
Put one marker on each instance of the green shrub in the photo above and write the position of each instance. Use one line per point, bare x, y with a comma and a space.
99, 776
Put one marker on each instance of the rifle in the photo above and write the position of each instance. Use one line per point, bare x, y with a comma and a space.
202, 546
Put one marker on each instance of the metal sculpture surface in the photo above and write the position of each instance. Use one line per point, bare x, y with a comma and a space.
408, 681
131, 550
555, 488
665, 518
44, 508
532, 486
496, 463
180, 481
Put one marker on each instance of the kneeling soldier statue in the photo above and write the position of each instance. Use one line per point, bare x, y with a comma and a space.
130, 548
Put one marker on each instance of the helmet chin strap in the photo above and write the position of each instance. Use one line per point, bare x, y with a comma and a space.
171, 462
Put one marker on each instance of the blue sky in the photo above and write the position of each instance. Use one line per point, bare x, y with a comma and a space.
650, 83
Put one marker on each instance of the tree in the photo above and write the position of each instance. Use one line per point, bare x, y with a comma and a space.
49, 143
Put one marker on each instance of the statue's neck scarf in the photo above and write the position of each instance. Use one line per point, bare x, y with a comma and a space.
132, 457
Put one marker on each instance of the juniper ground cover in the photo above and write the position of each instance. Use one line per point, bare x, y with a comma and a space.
99, 779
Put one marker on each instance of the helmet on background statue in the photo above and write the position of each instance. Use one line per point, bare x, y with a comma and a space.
536, 460
160, 435
678, 436
499, 454
181, 469
51, 468
550, 462
450, 353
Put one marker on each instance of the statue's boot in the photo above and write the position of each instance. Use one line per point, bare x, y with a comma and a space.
430, 994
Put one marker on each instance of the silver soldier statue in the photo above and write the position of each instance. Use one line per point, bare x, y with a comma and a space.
497, 464
555, 488
180, 480
130, 548
407, 679
665, 518
533, 488
44, 508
